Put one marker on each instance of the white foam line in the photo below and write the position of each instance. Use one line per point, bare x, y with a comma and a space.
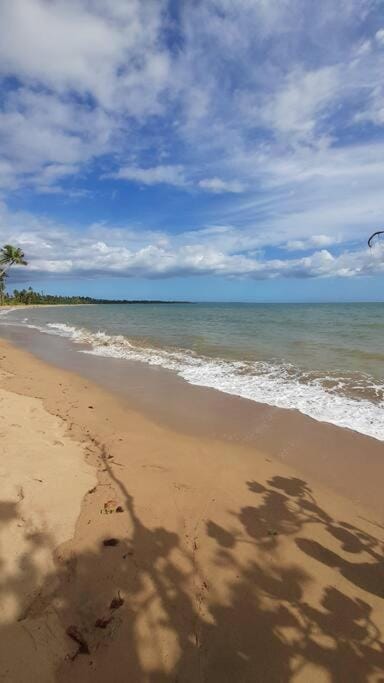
276, 385
5, 311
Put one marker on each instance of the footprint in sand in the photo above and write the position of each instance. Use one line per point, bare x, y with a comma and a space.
181, 487
160, 468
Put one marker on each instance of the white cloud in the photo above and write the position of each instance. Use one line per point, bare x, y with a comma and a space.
61, 53
333, 192
374, 107
108, 50
296, 107
380, 36
217, 185
169, 175
88, 70
175, 175
46, 137
312, 242
364, 48
103, 250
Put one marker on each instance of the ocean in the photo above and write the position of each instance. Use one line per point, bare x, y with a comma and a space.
325, 360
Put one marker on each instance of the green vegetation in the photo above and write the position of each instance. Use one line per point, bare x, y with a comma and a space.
28, 297
9, 256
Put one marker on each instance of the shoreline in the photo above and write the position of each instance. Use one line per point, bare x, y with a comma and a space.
350, 463
342, 396
231, 564
17, 307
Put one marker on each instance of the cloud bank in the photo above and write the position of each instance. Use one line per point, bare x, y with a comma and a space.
220, 250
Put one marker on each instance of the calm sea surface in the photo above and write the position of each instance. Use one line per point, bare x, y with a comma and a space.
326, 360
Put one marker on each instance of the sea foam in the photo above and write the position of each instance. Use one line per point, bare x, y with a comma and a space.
277, 384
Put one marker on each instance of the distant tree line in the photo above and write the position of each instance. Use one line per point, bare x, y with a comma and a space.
28, 297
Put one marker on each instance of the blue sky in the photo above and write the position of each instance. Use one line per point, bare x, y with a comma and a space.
210, 150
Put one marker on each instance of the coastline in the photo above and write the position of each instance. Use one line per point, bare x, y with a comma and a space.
232, 563
20, 306
348, 462
322, 369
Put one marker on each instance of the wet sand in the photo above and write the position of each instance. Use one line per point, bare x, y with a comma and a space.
235, 556
348, 462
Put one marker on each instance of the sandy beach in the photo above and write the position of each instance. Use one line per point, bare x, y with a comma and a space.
191, 341
132, 551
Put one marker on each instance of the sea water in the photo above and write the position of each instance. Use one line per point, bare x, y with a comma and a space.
325, 360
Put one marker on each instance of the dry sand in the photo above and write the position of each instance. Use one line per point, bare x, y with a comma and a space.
43, 478
229, 567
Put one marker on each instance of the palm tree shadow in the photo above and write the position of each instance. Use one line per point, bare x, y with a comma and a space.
148, 614
290, 512
366, 575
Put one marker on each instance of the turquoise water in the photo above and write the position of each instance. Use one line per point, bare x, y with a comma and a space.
326, 360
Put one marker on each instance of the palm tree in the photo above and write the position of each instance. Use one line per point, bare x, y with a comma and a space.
9, 256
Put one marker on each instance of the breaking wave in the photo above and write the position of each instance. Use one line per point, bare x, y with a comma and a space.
354, 402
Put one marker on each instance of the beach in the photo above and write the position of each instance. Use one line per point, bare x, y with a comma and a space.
137, 550
191, 341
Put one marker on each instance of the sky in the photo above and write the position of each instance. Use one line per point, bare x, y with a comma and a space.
202, 150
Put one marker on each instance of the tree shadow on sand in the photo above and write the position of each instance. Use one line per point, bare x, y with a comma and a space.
241, 620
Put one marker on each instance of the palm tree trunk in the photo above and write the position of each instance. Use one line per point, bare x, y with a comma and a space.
7, 267
2, 289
